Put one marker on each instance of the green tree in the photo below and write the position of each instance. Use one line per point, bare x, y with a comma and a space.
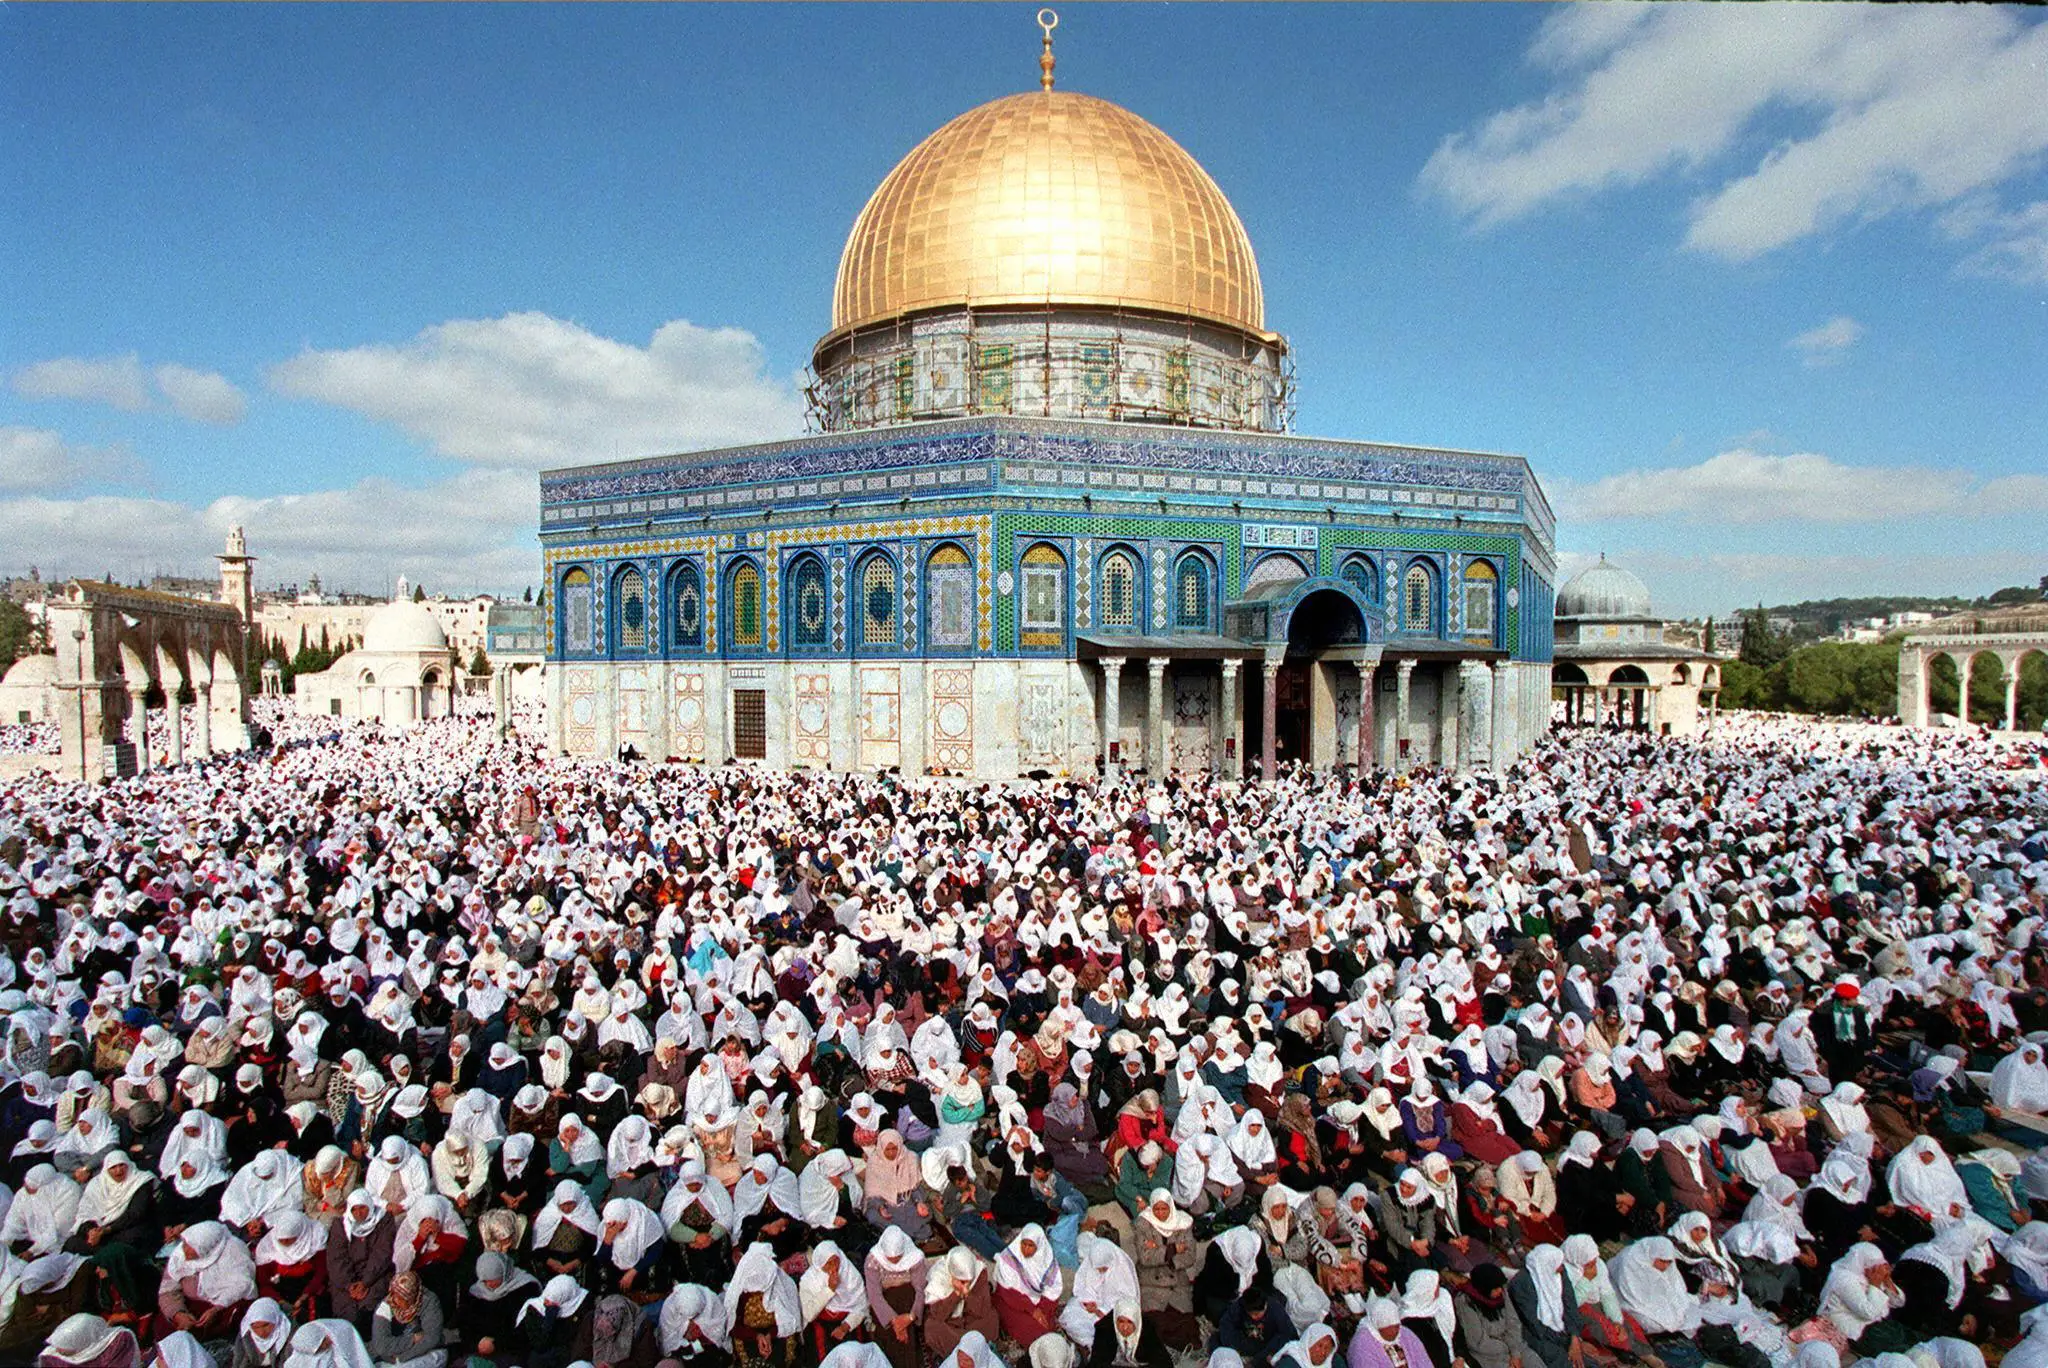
1762, 646
479, 664
15, 633
1743, 686
419, 593
1707, 641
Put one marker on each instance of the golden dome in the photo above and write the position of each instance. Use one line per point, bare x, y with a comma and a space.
1048, 197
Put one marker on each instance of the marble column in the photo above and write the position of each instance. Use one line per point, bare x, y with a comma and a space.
1450, 707
1403, 672
138, 728
1228, 761
2012, 696
204, 739
1963, 687
1471, 751
1269, 746
1112, 712
1155, 717
1503, 744
1365, 758
175, 716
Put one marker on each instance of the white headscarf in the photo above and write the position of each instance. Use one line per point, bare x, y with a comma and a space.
221, 1264
757, 1272
693, 1306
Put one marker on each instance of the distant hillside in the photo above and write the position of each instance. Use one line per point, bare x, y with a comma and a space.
1824, 617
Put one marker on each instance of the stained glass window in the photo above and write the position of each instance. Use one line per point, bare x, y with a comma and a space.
810, 603
632, 600
1191, 593
687, 595
949, 600
579, 602
877, 581
1358, 573
744, 606
1417, 609
1119, 599
1480, 585
1042, 621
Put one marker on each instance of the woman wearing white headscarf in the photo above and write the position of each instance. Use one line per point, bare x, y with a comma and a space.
1027, 1286
1604, 1323
1550, 1319
1651, 1287
1104, 1277
552, 1322
1923, 1180
208, 1280
328, 1344
693, 1322
762, 1303
261, 1190
2019, 1082
630, 1243
265, 1337
1859, 1292
115, 1207
43, 1214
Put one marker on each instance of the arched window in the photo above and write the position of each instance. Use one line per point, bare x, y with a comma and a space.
1358, 572
949, 600
579, 604
810, 604
629, 632
743, 606
1042, 618
1482, 585
1418, 600
1117, 604
1274, 568
877, 581
1193, 595
686, 607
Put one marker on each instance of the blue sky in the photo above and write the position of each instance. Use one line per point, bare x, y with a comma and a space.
1761, 290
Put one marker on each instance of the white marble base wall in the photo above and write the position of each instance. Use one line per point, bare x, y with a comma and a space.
990, 718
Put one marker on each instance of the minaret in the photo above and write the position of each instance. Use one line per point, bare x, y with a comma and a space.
237, 582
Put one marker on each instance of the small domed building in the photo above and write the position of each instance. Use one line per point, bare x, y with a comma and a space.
1051, 517
1612, 665
404, 673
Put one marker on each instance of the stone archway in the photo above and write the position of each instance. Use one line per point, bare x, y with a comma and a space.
118, 651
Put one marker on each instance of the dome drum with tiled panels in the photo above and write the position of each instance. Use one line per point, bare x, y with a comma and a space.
1056, 255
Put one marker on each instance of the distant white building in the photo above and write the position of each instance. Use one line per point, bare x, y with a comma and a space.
404, 672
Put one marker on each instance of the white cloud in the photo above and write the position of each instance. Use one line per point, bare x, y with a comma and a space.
119, 381
1890, 109
202, 396
475, 531
528, 390
2013, 245
2014, 494
1825, 344
1744, 486
36, 459
115, 380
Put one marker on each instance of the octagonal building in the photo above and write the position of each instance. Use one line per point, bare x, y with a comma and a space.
1051, 518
